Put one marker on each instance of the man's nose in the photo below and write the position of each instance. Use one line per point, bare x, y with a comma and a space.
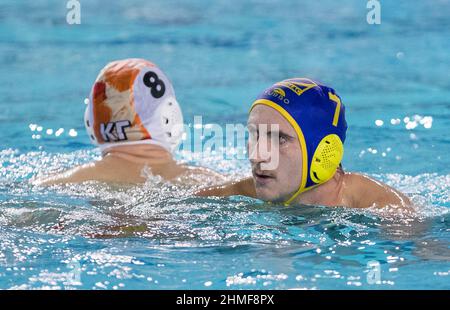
256, 155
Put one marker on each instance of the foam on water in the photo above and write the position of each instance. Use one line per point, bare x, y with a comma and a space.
158, 230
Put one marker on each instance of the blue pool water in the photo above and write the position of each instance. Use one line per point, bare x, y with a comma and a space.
394, 79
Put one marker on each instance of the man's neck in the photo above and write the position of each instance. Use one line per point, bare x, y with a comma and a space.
149, 154
330, 193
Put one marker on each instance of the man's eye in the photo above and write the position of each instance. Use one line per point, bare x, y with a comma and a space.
282, 140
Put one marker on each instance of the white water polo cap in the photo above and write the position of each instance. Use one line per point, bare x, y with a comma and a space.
133, 102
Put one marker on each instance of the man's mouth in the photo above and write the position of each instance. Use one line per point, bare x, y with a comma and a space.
262, 178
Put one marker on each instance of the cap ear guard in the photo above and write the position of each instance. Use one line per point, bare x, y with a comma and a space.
171, 119
326, 158
88, 122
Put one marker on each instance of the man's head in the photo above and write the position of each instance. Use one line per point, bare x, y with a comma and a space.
133, 102
311, 130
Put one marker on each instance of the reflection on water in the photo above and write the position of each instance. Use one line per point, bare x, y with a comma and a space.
219, 57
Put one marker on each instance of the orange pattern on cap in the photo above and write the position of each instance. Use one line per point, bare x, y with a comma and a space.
113, 98
121, 75
102, 113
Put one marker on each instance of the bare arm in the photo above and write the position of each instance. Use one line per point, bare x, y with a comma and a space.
244, 187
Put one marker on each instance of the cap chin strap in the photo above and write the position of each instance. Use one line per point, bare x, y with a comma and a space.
325, 161
298, 192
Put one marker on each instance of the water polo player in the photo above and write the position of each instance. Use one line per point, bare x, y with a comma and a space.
310, 118
133, 116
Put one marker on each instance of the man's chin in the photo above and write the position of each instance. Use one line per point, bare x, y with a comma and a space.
268, 195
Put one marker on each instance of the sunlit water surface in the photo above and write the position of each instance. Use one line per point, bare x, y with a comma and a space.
393, 78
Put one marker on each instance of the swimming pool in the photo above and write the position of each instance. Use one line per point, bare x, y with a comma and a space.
393, 78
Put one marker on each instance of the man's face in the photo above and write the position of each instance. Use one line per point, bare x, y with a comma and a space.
273, 183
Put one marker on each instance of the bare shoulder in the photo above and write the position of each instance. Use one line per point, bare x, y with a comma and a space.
365, 192
244, 187
75, 175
